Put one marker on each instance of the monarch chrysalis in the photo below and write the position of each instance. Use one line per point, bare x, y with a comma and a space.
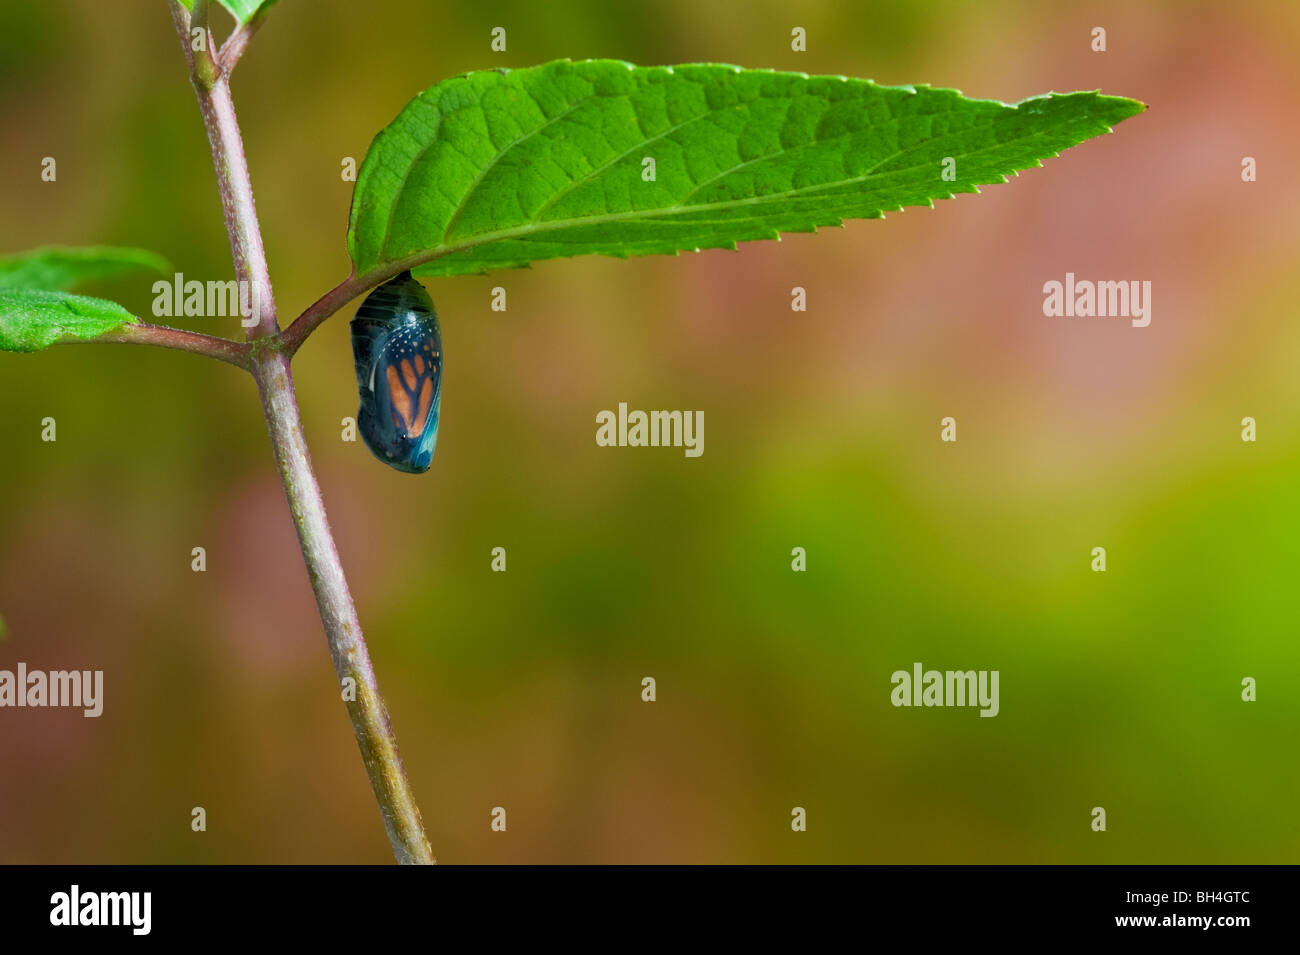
398, 354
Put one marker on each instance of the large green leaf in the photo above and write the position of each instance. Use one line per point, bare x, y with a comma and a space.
498, 169
61, 267
241, 10
35, 311
32, 319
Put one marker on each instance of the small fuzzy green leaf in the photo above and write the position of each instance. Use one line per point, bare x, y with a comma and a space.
61, 267
241, 10
497, 169
32, 319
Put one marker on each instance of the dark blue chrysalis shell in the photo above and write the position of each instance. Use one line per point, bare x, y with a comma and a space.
398, 353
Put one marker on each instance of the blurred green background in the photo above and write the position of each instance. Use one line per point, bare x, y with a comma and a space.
522, 689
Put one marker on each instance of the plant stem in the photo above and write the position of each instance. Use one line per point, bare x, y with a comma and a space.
212, 87
223, 349
269, 363
237, 202
337, 612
